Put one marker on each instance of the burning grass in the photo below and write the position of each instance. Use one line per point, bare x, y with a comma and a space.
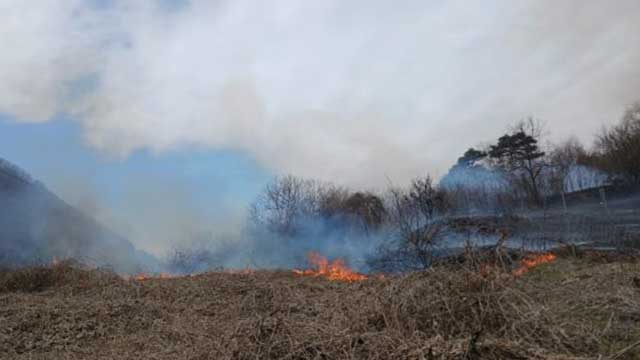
533, 260
335, 270
568, 308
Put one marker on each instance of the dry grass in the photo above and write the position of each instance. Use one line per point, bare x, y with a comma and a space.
574, 308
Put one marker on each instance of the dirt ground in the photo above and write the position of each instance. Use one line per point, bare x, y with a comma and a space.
585, 307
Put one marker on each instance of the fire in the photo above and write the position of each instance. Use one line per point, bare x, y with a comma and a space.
335, 270
141, 277
532, 261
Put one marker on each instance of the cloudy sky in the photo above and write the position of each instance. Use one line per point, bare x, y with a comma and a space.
207, 99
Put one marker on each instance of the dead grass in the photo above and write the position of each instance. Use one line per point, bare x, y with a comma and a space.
575, 308
68, 273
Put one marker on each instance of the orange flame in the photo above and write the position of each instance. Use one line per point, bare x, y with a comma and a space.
532, 261
336, 270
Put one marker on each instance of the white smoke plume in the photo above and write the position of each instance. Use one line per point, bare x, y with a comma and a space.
346, 91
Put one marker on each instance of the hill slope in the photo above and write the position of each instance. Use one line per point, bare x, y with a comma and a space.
37, 226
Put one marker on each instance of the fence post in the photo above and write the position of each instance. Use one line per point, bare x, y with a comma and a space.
603, 198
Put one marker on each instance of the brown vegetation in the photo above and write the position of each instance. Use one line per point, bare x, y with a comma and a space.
575, 307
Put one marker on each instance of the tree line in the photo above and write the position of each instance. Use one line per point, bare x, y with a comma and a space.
518, 171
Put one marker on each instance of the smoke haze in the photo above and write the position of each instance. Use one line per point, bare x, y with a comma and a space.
349, 91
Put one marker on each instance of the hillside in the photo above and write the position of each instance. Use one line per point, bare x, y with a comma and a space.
584, 307
37, 226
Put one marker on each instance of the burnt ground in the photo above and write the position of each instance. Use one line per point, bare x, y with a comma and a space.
578, 307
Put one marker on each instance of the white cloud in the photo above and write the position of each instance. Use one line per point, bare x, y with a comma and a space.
351, 91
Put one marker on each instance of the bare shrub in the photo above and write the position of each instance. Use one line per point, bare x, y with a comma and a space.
415, 236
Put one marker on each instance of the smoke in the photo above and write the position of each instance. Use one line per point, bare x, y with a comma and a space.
582, 177
261, 247
157, 210
348, 91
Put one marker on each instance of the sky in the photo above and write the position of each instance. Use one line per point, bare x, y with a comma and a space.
113, 103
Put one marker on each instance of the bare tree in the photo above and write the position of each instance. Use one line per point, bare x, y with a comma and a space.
563, 162
619, 148
367, 208
288, 201
426, 197
332, 200
283, 203
416, 234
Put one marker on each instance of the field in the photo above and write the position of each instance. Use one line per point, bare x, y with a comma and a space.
580, 306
